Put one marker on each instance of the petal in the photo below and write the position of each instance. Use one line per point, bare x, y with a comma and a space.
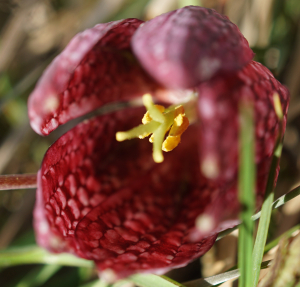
143, 227
184, 47
77, 174
218, 113
97, 67
218, 146
110, 202
45, 235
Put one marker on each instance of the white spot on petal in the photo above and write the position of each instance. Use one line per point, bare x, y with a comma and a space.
208, 67
108, 276
51, 104
207, 109
204, 223
210, 168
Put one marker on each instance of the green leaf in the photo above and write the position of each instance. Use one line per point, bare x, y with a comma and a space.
281, 201
37, 255
246, 192
266, 211
97, 283
285, 269
287, 234
277, 203
38, 276
150, 280
182, 3
131, 9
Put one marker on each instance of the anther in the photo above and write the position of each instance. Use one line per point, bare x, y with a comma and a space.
157, 121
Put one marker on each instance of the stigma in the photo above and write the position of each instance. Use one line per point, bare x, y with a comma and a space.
156, 123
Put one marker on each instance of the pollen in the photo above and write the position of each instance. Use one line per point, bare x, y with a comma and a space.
157, 122
147, 118
180, 124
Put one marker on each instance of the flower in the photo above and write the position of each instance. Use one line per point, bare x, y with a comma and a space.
108, 201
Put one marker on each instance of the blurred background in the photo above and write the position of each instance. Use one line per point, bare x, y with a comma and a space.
33, 32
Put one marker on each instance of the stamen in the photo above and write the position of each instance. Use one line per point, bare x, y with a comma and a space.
154, 112
158, 121
181, 123
147, 118
158, 138
140, 131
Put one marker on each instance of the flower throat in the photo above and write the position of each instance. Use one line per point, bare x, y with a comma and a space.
157, 121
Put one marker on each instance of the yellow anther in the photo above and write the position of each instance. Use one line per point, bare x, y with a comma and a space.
179, 110
171, 142
147, 118
181, 123
157, 121
151, 139
179, 120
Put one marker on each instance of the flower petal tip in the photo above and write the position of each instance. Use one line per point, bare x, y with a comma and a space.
190, 45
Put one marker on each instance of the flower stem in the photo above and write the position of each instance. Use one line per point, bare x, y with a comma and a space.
18, 181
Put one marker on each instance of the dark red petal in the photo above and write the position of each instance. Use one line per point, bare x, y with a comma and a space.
184, 47
218, 143
110, 202
96, 67
145, 226
44, 234
218, 112
76, 173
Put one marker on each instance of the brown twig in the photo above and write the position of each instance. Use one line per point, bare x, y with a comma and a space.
17, 181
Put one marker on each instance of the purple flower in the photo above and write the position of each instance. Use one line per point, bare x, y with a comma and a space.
109, 201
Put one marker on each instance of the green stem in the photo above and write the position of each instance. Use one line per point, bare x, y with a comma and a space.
246, 193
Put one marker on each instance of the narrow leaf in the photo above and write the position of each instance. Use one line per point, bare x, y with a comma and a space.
277, 203
246, 193
266, 210
219, 278
38, 276
150, 280
37, 255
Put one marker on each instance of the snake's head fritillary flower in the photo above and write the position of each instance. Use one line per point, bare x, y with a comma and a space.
117, 202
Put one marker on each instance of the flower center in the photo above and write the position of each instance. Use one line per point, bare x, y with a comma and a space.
157, 121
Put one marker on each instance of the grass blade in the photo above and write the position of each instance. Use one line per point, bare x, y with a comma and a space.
246, 193
150, 280
38, 276
266, 210
281, 200
37, 255
287, 234
277, 203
